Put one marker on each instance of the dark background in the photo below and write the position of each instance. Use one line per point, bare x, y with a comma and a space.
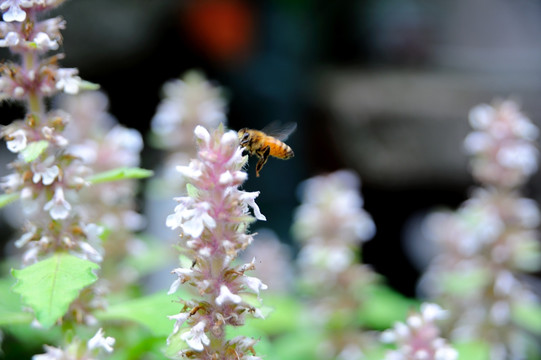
382, 87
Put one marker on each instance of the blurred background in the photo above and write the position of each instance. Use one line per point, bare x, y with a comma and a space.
382, 87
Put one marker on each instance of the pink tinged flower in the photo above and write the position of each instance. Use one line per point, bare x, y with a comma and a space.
99, 341
202, 134
58, 207
192, 172
14, 11
68, 81
196, 337
11, 39
179, 320
226, 296
182, 276
249, 199
18, 141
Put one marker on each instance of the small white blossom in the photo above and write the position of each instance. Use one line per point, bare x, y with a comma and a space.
182, 276
99, 341
68, 81
431, 312
254, 284
249, 199
18, 141
52, 353
11, 39
226, 296
10, 182
192, 220
58, 207
46, 175
179, 318
44, 42
196, 337
14, 12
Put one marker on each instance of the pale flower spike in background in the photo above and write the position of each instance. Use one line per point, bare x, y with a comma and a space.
491, 242
213, 221
331, 224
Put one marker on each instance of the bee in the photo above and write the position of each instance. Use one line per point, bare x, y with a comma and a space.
266, 142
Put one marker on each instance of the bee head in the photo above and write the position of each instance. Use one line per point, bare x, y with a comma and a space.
244, 136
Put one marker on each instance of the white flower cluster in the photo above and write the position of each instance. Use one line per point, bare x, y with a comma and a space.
331, 221
75, 350
419, 338
502, 144
14, 10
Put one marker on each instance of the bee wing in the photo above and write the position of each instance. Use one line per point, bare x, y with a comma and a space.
279, 131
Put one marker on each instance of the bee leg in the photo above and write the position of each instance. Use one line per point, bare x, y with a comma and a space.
263, 157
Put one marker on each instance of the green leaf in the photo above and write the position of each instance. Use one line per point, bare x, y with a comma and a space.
150, 311
6, 199
33, 150
383, 306
528, 316
473, 350
50, 285
192, 191
284, 316
465, 282
120, 174
87, 85
10, 306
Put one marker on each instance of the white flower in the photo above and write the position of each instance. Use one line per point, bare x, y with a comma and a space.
58, 207
52, 353
431, 312
521, 156
11, 39
202, 134
90, 252
230, 178
17, 141
254, 284
98, 341
51, 135
44, 42
68, 81
27, 236
182, 276
226, 296
10, 182
446, 353
14, 13
249, 199
192, 171
196, 337
179, 318
481, 116
45, 174
193, 219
